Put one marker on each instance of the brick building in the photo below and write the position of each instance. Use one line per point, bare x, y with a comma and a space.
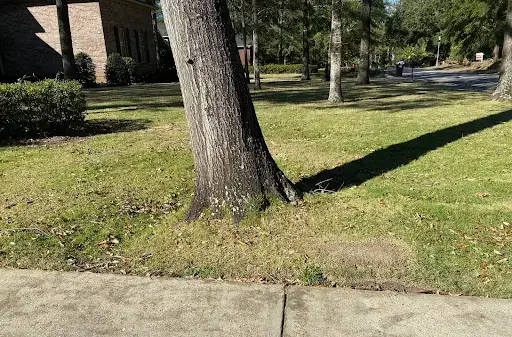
29, 35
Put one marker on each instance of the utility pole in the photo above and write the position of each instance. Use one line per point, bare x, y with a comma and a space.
438, 49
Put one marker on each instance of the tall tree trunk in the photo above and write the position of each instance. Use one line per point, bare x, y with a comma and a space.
157, 45
66, 43
335, 93
504, 89
306, 75
281, 57
244, 33
255, 43
327, 74
496, 53
234, 169
363, 75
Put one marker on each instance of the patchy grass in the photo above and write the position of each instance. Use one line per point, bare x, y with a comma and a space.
408, 187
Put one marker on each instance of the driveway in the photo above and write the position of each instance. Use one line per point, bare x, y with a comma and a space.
458, 80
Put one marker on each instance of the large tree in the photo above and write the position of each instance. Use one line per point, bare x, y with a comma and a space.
255, 44
306, 72
504, 89
244, 34
335, 50
363, 75
66, 43
234, 168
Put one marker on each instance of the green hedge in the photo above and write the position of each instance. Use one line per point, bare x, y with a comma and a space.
285, 69
85, 69
119, 70
40, 108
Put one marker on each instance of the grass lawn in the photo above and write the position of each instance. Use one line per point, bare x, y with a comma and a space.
408, 187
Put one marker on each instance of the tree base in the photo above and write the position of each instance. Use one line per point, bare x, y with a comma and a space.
237, 209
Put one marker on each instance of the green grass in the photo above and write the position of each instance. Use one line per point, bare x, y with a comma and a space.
408, 187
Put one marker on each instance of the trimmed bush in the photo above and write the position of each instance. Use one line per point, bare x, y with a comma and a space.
284, 69
130, 64
85, 69
40, 108
117, 70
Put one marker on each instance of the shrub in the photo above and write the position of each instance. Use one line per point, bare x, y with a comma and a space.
40, 108
285, 69
85, 69
117, 70
130, 64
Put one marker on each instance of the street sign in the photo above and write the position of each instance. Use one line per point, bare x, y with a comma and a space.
480, 57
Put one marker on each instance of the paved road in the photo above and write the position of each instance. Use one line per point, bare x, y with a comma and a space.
36, 303
458, 80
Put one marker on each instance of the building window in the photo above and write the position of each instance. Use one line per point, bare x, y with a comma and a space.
118, 41
128, 43
144, 55
122, 41
137, 46
146, 46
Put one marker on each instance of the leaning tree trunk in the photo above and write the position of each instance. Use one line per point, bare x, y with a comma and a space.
335, 93
306, 74
255, 43
66, 43
504, 89
244, 33
234, 168
363, 75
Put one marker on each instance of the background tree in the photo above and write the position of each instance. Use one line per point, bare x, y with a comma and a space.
66, 43
363, 75
306, 75
255, 44
234, 169
335, 92
504, 89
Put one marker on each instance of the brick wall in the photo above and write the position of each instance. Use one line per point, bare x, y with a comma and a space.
87, 34
134, 17
30, 38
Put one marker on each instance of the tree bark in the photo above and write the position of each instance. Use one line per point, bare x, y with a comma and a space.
335, 92
244, 33
363, 75
66, 43
235, 171
306, 74
255, 43
504, 89
496, 53
281, 57
155, 34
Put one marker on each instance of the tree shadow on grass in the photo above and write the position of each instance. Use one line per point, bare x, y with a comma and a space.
124, 106
375, 97
388, 159
88, 129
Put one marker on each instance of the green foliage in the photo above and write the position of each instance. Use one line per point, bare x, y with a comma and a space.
414, 55
85, 69
40, 108
284, 69
312, 275
117, 70
471, 25
130, 65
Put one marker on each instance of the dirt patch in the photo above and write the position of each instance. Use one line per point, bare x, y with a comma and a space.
381, 255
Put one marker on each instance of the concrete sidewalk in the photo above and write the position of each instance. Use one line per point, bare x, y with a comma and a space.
36, 303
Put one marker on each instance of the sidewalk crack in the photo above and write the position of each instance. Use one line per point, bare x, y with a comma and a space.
283, 313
